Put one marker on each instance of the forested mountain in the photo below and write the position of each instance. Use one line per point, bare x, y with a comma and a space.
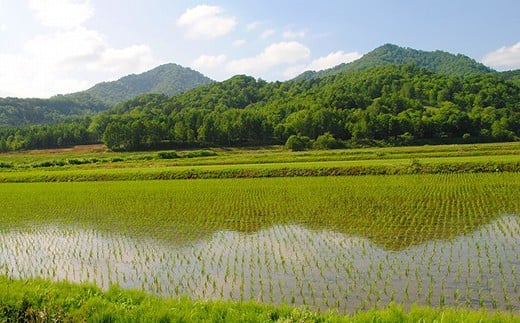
513, 76
437, 61
168, 79
22, 112
392, 105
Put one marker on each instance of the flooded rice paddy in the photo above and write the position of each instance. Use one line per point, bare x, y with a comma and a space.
334, 262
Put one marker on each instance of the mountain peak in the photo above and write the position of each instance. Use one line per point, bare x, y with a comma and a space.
169, 79
389, 54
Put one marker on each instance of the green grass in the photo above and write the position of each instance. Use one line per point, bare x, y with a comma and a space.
94, 164
44, 301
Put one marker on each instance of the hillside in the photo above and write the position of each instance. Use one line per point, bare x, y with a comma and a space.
16, 112
513, 76
386, 105
168, 79
437, 61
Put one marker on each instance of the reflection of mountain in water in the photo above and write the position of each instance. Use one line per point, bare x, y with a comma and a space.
281, 264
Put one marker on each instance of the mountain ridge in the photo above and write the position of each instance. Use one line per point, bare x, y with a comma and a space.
168, 79
389, 54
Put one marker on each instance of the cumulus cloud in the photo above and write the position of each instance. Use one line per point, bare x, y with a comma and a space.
239, 42
252, 26
289, 34
267, 33
61, 13
504, 57
332, 60
69, 57
67, 61
205, 21
322, 63
274, 55
209, 61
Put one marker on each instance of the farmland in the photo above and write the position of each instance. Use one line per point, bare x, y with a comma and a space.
328, 243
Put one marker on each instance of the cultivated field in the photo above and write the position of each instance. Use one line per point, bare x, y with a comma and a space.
343, 243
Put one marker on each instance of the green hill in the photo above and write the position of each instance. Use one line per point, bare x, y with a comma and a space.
168, 79
16, 112
436, 61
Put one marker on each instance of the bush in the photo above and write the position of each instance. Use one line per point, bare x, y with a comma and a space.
167, 154
199, 153
297, 143
326, 141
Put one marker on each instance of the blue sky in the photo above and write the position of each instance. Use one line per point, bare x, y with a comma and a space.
49, 47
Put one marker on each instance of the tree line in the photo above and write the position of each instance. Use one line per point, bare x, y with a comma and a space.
393, 105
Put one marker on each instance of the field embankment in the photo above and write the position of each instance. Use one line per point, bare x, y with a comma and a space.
44, 301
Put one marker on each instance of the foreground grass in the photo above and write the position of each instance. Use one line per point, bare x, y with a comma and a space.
38, 300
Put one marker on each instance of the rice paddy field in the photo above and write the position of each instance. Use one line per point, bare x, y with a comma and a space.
342, 243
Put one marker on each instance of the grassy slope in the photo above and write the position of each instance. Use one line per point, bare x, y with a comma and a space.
44, 301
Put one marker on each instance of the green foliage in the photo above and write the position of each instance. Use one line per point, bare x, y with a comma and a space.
326, 141
15, 112
167, 155
390, 105
297, 143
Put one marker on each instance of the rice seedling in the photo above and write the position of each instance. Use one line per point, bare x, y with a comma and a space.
336, 243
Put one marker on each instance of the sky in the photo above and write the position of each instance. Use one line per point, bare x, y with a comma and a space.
50, 47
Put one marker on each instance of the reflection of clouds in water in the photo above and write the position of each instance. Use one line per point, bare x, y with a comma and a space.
322, 269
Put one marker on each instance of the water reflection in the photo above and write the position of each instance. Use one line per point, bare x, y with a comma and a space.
285, 263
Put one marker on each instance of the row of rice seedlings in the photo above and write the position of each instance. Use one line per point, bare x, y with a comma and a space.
325, 243
283, 264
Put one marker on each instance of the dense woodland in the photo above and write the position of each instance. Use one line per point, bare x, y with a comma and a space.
389, 105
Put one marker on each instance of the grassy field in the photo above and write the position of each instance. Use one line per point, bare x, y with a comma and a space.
93, 163
434, 226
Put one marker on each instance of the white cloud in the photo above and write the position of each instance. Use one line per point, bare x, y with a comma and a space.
208, 61
3, 27
274, 55
252, 26
289, 34
68, 61
321, 63
239, 42
332, 60
205, 21
61, 13
122, 61
504, 57
267, 33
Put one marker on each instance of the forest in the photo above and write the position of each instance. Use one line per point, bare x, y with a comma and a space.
388, 105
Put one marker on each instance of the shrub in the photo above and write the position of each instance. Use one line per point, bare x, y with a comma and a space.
326, 141
297, 143
167, 154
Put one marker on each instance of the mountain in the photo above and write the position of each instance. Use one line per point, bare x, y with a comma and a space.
389, 54
168, 79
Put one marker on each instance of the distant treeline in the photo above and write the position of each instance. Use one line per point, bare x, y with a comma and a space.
394, 105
